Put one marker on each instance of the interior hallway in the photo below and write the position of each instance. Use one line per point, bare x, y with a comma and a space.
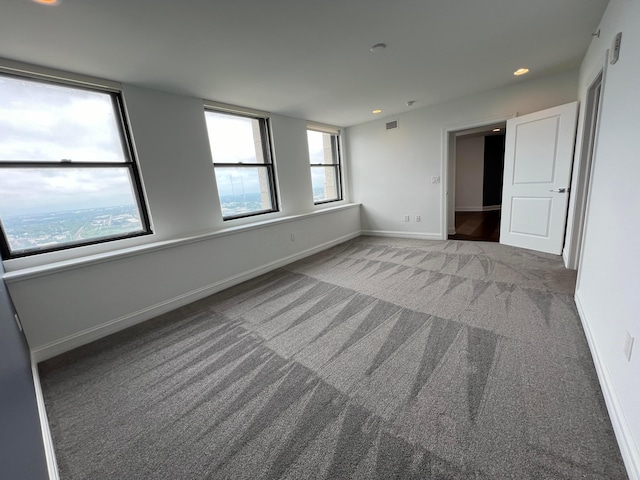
478, 226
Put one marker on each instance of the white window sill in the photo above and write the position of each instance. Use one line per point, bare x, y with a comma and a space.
70, 264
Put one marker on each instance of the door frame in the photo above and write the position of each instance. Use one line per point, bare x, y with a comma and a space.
587, 142
448, 167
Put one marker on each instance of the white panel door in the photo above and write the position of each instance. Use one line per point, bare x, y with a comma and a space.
537, 171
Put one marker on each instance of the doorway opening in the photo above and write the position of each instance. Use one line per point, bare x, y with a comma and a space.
476, 173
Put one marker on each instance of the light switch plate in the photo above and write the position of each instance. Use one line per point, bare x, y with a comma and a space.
614, 53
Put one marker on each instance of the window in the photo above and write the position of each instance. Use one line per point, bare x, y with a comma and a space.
67, 176
242, 163
324, 156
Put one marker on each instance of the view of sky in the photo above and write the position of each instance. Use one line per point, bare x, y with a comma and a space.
316, 146
49, 123
231, 140
317, 155
43, 122
41, 190
237, 181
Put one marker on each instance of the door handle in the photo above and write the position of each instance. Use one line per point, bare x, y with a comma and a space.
560, 190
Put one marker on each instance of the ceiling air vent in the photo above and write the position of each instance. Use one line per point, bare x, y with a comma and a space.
392, 125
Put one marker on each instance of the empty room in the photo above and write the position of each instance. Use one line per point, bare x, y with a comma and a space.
232, 244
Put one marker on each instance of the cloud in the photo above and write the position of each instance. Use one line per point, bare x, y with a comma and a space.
238, 180
47, 123
316, 146
40, 190
43, 122
231, 138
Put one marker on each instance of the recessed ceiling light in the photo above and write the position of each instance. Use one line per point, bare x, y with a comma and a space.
521, 71
47, 2
378, 47
496, 129
376, 111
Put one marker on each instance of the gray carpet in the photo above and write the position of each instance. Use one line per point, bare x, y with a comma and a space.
379, 358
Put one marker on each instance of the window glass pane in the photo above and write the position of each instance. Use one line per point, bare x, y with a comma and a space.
53, 207
320, 147
324, 181
243, 190
45, 122
234, 139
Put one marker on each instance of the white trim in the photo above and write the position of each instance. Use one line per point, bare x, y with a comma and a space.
488, 208
452, 231
228, 108
71, 264
445, 153
583, 165
398, 234
94, 333
47, 439
69, 78
628, 449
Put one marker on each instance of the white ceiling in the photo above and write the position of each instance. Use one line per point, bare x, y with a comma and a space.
307, 59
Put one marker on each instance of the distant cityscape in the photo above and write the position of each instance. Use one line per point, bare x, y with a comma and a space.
37, 231
43, 230
252, 202
241, 203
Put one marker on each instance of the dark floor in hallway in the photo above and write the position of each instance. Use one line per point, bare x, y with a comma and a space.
479, 226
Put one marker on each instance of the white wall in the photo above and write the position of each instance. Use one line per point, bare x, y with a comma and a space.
608, 293
391, 170
70, 297
469, 173
172, 147
72, 305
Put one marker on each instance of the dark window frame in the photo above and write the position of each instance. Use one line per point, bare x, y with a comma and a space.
130, 164
268, 164
336, 155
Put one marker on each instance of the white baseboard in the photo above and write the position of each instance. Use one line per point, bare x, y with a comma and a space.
628, 448
78, 339
452, 231
389, 233
47, 440
487, 208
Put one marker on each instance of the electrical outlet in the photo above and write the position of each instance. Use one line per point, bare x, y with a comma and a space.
418, 218
628, 346
435, 180
407, 218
